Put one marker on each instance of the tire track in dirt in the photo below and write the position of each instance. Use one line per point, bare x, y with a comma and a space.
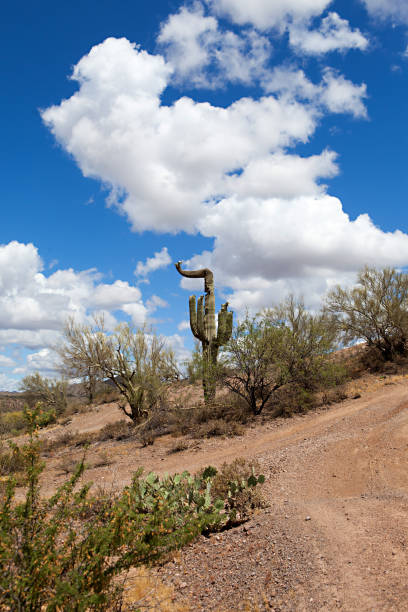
338, 494
335, 533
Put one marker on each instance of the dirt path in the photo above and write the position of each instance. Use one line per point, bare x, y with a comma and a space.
334, 535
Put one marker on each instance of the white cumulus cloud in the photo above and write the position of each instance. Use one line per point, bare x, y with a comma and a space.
8, 383
34, 306
334, 93
265, 14
226, 172
161, 259
169, 163
333, 34
393, 9
6, 362
44, 360
207, 56
266, 248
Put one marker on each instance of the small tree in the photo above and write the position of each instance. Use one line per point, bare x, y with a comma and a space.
310, 339
51, 393
71, 363
253, 362
376, 310
284, 345
136, 361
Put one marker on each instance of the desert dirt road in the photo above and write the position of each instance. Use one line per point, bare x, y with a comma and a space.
334, 533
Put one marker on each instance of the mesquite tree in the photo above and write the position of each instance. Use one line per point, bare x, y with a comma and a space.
203, 326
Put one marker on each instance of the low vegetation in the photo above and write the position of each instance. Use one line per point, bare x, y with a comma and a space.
375, 310
64, 552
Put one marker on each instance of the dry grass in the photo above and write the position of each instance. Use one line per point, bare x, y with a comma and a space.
67, 465
144, 591
101, 460
178, 447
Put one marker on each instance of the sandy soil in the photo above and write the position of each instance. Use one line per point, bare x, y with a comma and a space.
334, 534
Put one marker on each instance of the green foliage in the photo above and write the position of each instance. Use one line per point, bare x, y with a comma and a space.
135, 361
10, 460
284, 345
375, 310
237, 483
63, 553
51, 393
12, 422
254, 357
194, 366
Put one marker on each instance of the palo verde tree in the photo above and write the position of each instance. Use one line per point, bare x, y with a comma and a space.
284, 345
51, 393
203, 326
136, 361
72, 363
310, 339
375, 310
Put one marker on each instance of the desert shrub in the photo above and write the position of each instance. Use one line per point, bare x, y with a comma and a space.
115, 431
106, 395
10, 461
375, 310
47, 417
75, 405
229, 483
334, 395
178, 447
290, 400
101, 460
12, 423
67, 465
158, 424
217, 427
194, 365
64, 439
51, 393
285, 345
229, 408
225, 417
56, 554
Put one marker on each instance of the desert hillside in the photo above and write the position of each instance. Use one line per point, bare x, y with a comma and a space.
334, 530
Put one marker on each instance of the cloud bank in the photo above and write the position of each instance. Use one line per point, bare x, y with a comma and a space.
227, 172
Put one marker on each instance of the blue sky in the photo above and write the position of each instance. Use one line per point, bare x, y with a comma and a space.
266, 140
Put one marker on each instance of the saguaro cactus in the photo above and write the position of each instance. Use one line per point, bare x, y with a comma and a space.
202, 323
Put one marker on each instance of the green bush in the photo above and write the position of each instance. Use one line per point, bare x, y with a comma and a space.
375, 310
10, 461
63, 553
12, 423
51, 393
235, 482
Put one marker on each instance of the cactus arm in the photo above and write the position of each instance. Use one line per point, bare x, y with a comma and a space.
200, 320
193, 316
204, 273
191, 273
224, 325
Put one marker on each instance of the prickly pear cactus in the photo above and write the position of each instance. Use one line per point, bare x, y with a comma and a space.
204, 328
